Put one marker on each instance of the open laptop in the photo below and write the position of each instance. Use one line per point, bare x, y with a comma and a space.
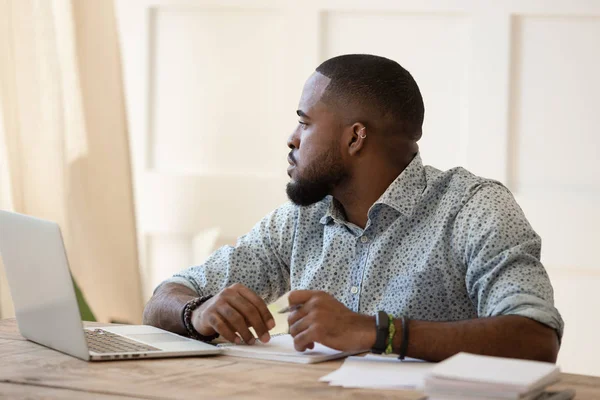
46, 307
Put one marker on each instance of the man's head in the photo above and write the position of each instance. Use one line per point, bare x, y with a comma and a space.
353, 109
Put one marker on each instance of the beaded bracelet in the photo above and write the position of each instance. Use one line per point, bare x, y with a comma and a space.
186, 316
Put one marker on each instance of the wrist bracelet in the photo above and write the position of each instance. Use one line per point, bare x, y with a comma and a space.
392, 331
186, 316
404, 344
381, 325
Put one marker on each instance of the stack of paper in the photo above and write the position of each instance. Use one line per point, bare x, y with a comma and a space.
469, 376
281, 348
379, 372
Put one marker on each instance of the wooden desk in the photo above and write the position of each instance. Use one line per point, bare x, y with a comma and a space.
28, 370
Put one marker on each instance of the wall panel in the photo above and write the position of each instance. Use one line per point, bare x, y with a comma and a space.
435, 49
555, 140
217, 80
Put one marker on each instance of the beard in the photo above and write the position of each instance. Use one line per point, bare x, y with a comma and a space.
319, 180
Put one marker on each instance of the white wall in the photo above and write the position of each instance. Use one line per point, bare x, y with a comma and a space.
511, 89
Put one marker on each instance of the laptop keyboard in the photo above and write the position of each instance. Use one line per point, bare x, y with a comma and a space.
101, 341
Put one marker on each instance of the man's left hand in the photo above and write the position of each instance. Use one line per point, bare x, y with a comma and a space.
320, 318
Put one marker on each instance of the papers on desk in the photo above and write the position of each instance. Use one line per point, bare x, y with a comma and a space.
281, 348
379, 372
464, 376
469, 376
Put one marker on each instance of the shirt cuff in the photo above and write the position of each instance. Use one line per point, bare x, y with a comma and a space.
181, 281
532, 307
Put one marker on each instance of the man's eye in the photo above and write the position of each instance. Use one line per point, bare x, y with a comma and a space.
304, 124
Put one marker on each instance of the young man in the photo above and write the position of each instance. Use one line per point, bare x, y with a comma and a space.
447, 256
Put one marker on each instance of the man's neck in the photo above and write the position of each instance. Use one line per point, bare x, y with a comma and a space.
368, 184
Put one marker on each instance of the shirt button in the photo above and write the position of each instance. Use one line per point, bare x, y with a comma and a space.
364, 239
354, 290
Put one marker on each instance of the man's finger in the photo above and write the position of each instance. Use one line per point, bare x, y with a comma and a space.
260, 305
298, 297
252, 316
222, 328
299, 326
237, 322
297, 315
304, 340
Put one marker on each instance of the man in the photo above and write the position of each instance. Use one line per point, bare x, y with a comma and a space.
449, 255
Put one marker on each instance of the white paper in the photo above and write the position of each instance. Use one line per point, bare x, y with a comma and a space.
283, 345
379, 372
281, 348
519, 374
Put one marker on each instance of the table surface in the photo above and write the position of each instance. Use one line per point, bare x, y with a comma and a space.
28, 370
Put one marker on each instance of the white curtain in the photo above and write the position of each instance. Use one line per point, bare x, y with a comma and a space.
66, 142
6, 306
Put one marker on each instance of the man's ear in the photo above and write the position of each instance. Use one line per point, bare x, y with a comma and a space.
356, 138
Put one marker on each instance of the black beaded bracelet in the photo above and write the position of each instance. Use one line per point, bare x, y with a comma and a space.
404, 344
186, 316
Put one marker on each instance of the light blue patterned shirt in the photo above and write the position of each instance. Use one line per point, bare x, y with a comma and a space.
438, 246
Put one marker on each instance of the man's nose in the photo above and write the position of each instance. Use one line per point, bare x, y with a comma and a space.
293, 142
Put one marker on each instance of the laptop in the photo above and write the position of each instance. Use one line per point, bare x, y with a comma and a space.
46, 306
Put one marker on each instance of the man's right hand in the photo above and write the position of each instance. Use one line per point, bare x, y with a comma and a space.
235, 309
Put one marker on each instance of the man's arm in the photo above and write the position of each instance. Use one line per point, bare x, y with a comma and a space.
240, 278
232, 310
164, 309
323, 319
501, 254
503, 336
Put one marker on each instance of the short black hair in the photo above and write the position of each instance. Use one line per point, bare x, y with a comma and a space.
378, 83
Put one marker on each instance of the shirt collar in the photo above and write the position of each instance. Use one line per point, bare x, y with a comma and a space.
333, 212
401, 195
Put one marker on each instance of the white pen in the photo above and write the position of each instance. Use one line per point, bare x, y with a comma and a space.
289, 309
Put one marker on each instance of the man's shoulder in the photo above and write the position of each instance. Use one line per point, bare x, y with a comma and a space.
461, 184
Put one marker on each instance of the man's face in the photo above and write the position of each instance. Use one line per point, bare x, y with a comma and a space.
316, 164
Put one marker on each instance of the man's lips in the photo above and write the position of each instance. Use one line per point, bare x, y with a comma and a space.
292, 163
291, 160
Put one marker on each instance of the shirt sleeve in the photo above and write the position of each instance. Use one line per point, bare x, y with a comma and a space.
260, 260
504, 275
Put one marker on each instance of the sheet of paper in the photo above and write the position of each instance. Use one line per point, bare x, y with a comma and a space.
379, 372
281, 348
283, 345
495, 370
281, 324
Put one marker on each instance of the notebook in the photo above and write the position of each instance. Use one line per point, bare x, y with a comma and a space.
466, 375
281, 348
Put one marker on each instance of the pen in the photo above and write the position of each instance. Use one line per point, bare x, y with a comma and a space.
289, 309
